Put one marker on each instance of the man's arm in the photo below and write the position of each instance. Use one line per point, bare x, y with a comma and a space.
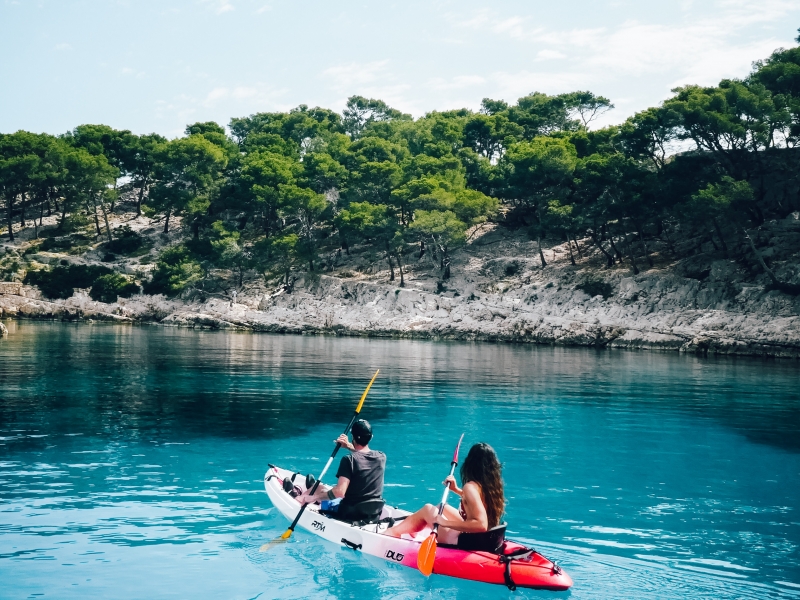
325, 492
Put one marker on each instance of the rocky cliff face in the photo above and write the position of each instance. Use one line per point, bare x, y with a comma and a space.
501, 292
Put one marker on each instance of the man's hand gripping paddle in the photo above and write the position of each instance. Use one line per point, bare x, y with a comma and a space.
427, 551
288, 533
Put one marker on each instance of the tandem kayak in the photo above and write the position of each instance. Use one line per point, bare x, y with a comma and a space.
512, 564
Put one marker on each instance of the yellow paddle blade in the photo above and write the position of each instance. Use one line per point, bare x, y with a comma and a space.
426, 555
271, 544
366, 391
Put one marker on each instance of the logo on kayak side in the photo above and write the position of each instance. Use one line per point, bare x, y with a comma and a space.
318, 526
394, 555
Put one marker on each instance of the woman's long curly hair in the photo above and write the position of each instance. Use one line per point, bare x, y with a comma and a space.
482, 467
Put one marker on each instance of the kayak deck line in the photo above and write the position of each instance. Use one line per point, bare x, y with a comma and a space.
518, 566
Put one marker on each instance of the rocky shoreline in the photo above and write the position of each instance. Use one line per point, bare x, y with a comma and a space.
649, 311
500, 292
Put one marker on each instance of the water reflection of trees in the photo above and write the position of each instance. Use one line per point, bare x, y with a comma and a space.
145, 381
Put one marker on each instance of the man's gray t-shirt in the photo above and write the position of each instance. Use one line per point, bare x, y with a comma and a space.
365, 472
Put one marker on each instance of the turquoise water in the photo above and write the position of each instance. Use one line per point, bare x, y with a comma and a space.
132, 458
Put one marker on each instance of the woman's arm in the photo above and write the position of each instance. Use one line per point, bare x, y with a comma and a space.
451, 481
476, 520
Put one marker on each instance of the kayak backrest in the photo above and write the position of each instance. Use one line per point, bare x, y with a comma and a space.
366, 511
485, 541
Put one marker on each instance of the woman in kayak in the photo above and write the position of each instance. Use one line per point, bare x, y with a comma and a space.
482, 500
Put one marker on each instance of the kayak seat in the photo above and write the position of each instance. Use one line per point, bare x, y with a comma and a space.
366, 511
484, 541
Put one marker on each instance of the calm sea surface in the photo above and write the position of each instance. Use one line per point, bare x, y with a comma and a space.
132, 459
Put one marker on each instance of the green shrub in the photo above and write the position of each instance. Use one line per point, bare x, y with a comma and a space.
32, 249
63, 243
512, 269
175, 270
75, 222
143, 251
107, 288
9, 269
125, 241
200, 248
61, 282
596, 288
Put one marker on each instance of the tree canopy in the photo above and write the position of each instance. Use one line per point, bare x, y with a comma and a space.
275, 192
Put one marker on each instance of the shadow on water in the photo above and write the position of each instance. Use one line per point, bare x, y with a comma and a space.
164, 382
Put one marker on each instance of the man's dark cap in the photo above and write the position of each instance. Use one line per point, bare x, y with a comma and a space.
362, 432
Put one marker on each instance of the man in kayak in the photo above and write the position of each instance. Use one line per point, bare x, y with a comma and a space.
358, 492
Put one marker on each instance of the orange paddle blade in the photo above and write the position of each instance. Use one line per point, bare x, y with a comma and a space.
427, 554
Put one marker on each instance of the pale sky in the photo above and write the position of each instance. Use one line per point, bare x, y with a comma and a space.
156, 65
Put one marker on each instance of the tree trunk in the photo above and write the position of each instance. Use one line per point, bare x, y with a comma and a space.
96, 220
670, 245
597, 243
10, 202
446, 264
644, 247
721, 239
633, 258
391, 267
105, 218
787, 288
139, 200
22, 210
577, 247
114, 196
571, 256
166, 223
421, 249
616, 250
400, 268
41, 216
63, 214
541, 254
